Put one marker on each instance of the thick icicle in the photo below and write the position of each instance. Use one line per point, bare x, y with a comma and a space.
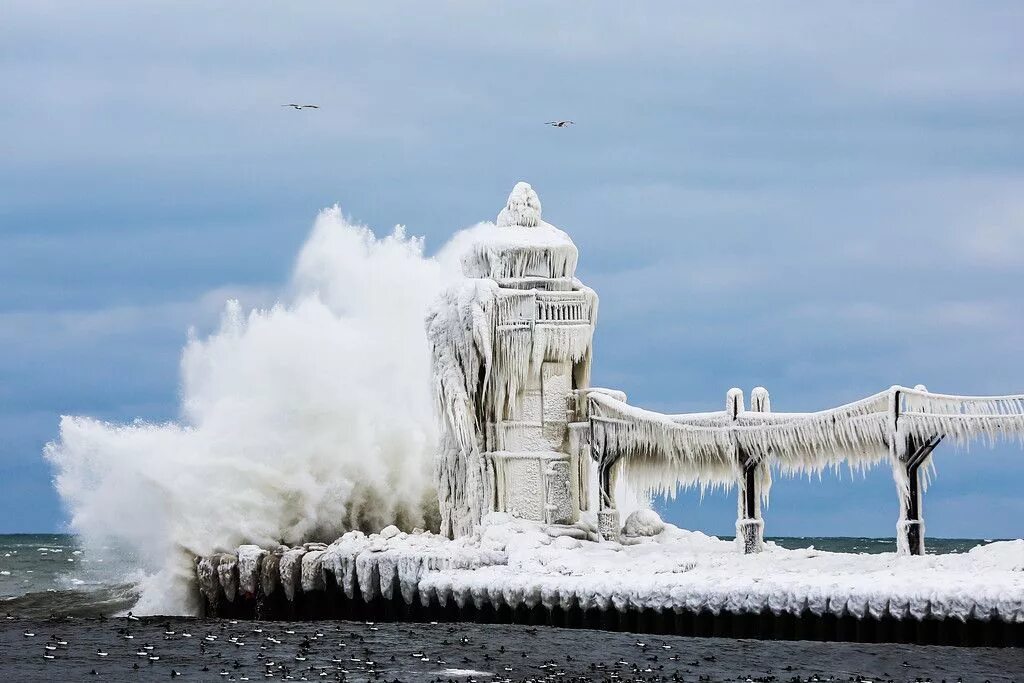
249, 559
660, 452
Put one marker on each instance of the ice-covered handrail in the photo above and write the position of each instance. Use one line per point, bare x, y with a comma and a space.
963, 429
1017, 398
925, 401
659, 449
922, 415
711, 419
704, 446
791, 437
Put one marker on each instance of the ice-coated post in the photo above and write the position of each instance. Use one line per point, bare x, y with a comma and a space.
911, 530
749, 524
608, 521
898, 448
608, 524
908, 454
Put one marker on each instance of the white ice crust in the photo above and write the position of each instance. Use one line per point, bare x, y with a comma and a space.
519, 244
522, 209
668, 451
487, 338
513, 562
643, 523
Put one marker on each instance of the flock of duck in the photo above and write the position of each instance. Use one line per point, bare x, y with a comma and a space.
153, 649
343, 651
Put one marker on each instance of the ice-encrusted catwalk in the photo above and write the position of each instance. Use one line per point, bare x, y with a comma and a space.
512, 562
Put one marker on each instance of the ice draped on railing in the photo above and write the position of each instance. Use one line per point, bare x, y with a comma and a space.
962, 418
659, 452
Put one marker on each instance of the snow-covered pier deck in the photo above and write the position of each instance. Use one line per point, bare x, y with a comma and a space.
661, 579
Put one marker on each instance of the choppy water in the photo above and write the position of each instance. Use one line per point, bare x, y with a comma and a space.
52, 590
209, 650
44, 575
835, 544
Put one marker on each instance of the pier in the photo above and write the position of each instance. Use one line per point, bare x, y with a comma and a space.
332, 601
526, 473
332, 604
678, 582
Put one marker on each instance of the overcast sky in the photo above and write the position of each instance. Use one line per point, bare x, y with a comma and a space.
824, 199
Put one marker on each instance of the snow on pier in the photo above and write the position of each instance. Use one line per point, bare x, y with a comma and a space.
518, 564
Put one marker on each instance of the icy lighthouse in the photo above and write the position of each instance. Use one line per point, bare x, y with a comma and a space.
511, 350
522, 433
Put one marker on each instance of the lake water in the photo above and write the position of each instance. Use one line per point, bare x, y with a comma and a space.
219, 650
43, 575
52, 593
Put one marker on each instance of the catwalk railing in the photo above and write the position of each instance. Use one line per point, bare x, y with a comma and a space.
735, 446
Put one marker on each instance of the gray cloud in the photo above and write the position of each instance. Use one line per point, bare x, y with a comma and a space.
821, 199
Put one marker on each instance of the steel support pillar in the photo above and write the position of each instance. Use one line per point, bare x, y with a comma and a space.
609, 524
911, 525
749, 524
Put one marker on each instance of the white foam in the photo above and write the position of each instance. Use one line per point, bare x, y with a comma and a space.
462, 673
297, 422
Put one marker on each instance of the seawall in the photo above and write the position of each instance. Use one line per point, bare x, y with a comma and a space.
677, 582
331, 603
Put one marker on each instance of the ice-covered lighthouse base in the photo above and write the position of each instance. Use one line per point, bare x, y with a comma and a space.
675, 581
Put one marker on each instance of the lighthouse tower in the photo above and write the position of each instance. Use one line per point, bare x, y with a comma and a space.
511, 348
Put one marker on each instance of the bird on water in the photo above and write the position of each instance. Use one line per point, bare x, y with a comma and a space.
560, 124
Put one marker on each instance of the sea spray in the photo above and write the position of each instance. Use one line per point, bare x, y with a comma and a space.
297, 422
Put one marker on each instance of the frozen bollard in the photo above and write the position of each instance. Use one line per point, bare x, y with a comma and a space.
750, 534
910, 537
608, 524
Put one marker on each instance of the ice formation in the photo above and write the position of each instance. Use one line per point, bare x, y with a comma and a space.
643, 523
524, 433
900, 426
327, 414
860, 434
511, 344
514, 562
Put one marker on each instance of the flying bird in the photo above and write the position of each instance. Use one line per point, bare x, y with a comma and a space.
560, 124
301, 106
